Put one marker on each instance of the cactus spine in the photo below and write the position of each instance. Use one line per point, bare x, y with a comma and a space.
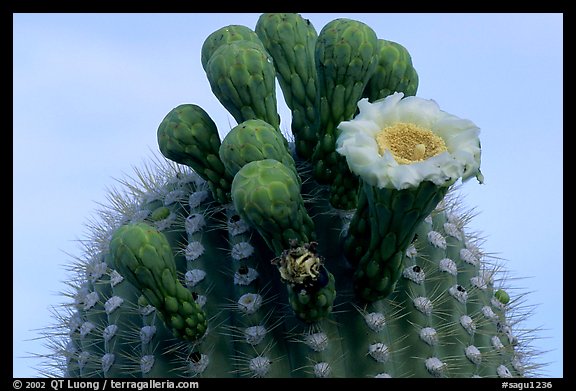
255, 257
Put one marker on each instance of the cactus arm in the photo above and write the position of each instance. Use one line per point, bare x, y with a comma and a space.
290, 40
394, 216
346, 58
187, 135
254, 140
394, 73
243, 78
267, 195
224, 35
143, 255
312, 305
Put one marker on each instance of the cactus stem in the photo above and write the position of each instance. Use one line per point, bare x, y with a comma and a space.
250, 248
485, 317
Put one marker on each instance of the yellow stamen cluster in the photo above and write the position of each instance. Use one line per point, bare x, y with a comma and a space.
409, 142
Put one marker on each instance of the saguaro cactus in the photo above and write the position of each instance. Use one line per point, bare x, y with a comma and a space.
342, 253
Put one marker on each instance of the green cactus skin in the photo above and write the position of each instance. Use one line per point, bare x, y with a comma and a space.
291, 40
394, 73
273, 280
254, 331
424, 328
312, 306
393, 216
266, 194
358, 234
223, 36
242, 76
346, 58
254, 140
187, 135
144, 256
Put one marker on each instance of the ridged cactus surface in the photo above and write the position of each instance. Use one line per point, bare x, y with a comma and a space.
341, 250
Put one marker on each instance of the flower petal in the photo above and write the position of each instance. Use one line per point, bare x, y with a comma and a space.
357, 142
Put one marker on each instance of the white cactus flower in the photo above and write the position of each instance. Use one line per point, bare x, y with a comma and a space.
398, 142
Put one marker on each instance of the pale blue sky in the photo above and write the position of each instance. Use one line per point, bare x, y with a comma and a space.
91, 89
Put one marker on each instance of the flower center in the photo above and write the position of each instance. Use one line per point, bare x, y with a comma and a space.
299, 263
409, 143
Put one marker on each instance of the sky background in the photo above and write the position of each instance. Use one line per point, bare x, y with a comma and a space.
90, 90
